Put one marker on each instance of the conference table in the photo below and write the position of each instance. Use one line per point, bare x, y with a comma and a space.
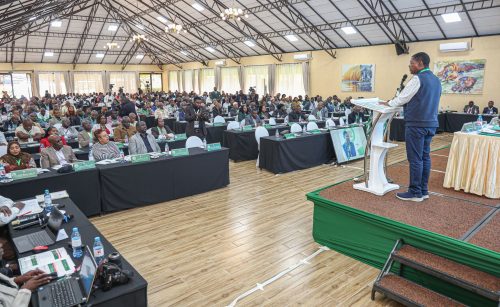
279, 155
83, 186
473, 164
242, 144
133, 293
128, 185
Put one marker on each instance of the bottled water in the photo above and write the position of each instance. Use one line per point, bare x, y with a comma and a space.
480, 121
98, 250
205, 143
304, 129
76, 243
47, 201
91, 153
2, 171
122, 155
277, 134
166, 148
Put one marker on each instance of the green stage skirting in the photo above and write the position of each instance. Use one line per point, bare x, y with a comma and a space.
370, 238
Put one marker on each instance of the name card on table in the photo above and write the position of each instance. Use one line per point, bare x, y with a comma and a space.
219, 124
140, 158
23, 174
247, 128
179, 152
81, 166
290, 136
213, 146
315, 131
267, 126
120, 145
180, 136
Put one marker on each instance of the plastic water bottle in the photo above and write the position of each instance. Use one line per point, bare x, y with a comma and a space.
98, 250
91, 153
277, 134
304, 129
122, 155
76, 243
480, 119
166, 148
2, 171
205, 143
47, 201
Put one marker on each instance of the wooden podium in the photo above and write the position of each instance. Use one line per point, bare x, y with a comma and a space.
376, 180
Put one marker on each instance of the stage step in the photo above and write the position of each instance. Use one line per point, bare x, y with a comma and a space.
461, 275
410, 294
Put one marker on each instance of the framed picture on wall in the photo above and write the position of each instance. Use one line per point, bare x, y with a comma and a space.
461, 76
358, 78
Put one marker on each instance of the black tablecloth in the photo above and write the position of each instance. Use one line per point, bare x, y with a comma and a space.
279, 155
397, 132
150, 121
130, 185
180, 127
215, 134
134, 293
83, 186
455, 121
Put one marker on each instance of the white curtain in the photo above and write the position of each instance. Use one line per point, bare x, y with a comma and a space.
241, 78
229, 80
173, 84
52, 82
272, 79
105, 80
125, 80
188, 80
68, 81
217, 78
289, 79
179, 81
34, 83
306, 77
196, 81
257, 77
207, 80
85, 82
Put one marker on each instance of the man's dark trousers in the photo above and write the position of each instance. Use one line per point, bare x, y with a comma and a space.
418, 147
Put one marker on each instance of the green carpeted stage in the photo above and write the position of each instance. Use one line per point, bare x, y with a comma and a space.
462, 227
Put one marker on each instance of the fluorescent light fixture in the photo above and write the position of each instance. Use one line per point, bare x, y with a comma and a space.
197, 6
162, 19
291, 38
99, 55
112, 28
56, 23
451, 17
48, 53
249, 43
139, 56
32, 18
140, 26
184, 52
348, 30
210, 49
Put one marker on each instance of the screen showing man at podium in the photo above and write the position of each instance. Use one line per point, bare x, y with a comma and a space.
349, 143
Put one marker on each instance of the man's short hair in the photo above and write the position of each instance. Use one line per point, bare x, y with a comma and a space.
422, 57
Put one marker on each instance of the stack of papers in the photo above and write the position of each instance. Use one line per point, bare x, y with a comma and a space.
57, 260
31, 206
54, 195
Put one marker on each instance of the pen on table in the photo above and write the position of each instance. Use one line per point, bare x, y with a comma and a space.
25, 213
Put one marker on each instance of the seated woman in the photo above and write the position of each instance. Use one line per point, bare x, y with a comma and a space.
243, 113
44, 143
102, 124
15, 159
161, 131
103, 148
73, 117
263, 114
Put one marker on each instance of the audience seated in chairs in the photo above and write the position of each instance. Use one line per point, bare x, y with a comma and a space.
296, 115
15, 159
253, 119
85, 136
124, 131
356, 115
28, 132
44, 143
67, 131
57, 153
471, 108
161, 131
490, 109
142, 142
104, 148
102, 124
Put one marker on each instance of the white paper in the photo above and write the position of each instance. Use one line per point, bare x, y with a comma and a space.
61, 235
54, 195
57, 260
30, 207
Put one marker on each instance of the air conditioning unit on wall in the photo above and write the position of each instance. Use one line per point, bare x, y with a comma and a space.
454, 47
302, 57
220, 63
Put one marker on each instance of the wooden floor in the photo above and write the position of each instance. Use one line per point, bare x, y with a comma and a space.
206, 250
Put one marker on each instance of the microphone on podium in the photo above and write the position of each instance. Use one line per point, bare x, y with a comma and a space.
401, 85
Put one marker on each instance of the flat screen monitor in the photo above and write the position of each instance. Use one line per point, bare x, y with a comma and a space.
349, 143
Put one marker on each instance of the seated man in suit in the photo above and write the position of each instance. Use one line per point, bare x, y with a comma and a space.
490, 109
471, 108
296, 114
124, 131
320, 112
85, 137
356, 115
161, 131
253, 119
57, 154
141, 142
67, 131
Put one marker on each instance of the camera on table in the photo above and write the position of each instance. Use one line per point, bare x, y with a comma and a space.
111, 274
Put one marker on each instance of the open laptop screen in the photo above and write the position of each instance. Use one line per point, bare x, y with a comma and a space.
87, 272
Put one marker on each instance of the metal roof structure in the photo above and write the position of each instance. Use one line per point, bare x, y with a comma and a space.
28, 33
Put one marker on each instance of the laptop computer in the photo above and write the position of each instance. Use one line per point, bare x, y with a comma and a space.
70, 291
44, 237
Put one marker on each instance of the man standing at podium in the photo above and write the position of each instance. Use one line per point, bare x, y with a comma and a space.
420, 99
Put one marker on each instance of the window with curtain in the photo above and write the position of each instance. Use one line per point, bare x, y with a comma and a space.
196, 79
257, 77
173, 84
230, 81
52, 82
289, 80
21, 83
88, 82
156, 82
188, 80
123, 79
207, 80
6, 84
